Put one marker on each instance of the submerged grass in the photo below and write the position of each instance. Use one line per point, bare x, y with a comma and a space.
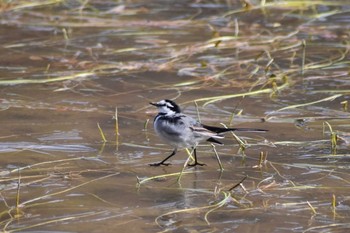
211, 208
16, 213
47, 80
25, 4
213, 99
47, 163
330, 98
178, 174
271, 60
25, 203
286, 4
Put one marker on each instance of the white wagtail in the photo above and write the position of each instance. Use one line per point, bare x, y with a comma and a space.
182, 131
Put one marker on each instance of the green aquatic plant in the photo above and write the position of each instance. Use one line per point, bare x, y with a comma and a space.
333, 138
101, 133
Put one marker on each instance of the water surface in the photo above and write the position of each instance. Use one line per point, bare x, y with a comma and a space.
66, 67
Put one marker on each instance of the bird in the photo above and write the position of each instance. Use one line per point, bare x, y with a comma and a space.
182, 131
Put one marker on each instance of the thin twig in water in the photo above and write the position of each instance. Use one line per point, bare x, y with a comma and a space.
238, 184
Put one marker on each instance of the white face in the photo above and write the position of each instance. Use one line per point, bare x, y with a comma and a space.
165, 107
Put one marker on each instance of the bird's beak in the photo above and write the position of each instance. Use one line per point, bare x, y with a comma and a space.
154, 104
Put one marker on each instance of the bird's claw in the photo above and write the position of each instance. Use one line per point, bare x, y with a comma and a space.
195, 164
159, 164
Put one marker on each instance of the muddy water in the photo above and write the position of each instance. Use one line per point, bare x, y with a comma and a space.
64, 69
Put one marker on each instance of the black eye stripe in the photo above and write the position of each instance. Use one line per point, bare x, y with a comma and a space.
165, 105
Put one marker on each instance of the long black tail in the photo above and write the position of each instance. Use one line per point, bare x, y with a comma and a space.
222, 130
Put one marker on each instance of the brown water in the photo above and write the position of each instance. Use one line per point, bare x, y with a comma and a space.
65, 67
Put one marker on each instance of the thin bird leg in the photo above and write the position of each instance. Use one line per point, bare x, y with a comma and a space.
195, 159
162, 162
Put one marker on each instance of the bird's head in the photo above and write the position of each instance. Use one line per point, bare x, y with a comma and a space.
167, 107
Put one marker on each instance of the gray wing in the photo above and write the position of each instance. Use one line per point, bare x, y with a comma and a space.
179, 124
198, 130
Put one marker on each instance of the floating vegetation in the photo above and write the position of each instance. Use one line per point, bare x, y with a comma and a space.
282, 65
330, 98
46, 80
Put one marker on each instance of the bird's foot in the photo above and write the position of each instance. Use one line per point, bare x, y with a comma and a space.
159, 164
195, 164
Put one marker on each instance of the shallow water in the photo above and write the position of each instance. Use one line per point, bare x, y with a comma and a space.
65, 67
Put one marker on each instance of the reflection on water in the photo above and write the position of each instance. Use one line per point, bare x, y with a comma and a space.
66, 66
